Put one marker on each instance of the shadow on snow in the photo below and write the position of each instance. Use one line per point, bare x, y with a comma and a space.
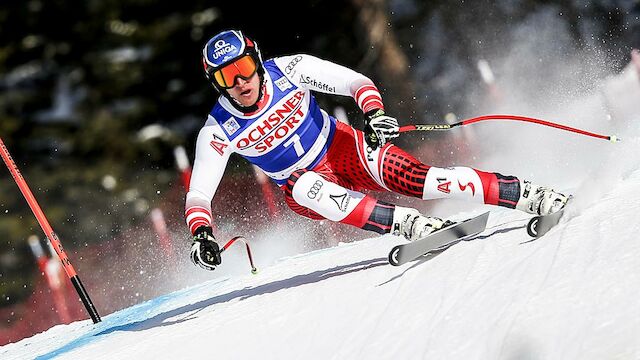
188, 312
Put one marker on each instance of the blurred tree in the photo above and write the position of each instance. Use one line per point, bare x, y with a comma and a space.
384, 51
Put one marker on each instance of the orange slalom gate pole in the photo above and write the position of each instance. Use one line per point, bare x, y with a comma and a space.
49, 233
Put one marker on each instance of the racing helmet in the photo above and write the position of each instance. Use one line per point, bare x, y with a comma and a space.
229, 55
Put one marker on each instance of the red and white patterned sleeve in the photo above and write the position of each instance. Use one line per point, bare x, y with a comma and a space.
197, 216
367, 96
213, 150
315, 74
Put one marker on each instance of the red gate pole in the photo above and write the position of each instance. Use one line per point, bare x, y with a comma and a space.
48, 231
52, 271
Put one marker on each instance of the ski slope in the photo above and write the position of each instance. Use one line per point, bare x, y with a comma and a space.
572, 294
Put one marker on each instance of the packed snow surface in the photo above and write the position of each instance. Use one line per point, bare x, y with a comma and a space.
571, 294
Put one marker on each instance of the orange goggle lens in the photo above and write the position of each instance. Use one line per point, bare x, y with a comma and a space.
244, 67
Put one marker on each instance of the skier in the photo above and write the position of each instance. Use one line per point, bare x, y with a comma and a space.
268, 115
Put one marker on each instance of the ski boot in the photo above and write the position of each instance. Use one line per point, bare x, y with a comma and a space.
412, 225
540, 200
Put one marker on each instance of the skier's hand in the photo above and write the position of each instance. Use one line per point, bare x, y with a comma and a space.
205, 252
379, 128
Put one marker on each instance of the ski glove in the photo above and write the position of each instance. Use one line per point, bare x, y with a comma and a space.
205, 252
379, 128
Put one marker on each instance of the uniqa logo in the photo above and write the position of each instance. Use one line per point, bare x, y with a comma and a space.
222, 48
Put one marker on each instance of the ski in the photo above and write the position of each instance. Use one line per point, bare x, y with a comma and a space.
540, 225
440, 239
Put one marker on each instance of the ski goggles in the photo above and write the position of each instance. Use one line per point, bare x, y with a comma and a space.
244, 67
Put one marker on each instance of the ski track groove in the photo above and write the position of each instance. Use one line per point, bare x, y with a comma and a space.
456, 293
440, 316
531, 295
387, 306
597, 245
511, 324
502, 225
419, 267
496, 273
593, 255
476, 289
472, 291
342, 349
432, 317
370, 331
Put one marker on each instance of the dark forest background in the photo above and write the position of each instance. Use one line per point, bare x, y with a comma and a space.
79, 80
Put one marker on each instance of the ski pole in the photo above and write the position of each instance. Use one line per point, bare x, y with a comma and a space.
49, 233
254, 270
441, 127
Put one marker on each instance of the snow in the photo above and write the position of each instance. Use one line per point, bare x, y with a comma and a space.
571, 294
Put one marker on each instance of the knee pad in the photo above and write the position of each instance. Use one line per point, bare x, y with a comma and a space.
328, 199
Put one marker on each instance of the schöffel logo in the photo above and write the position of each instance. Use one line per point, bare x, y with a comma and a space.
222, 48
317, 84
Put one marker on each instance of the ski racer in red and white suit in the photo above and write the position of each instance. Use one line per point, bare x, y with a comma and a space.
268, 115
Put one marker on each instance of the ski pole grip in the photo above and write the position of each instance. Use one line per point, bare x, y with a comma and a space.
427, 127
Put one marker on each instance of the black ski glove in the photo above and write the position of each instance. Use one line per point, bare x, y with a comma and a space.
205, 252
379, 128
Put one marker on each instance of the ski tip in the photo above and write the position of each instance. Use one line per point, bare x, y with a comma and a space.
540, 225
532, 226
393, 256
614, 139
